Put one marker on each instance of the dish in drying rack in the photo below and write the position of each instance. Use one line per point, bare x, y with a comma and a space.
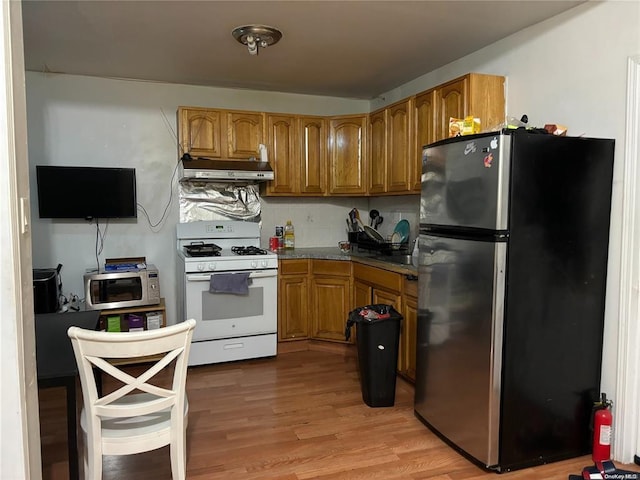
402, 229
373, 234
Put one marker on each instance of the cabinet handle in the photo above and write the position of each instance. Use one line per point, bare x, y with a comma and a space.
410, 277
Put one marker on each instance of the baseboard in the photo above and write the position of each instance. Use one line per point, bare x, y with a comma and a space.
317, 345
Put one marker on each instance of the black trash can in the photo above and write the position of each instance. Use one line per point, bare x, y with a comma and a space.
378, 334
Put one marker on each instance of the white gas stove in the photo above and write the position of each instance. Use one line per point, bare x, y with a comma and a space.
234, 323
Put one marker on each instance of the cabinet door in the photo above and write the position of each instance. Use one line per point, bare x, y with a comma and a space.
451, 102
244, 134
281, 144
362, 294
347, 144
486, 99
293, 307
313, 158
331, 300
378, 152
200, 132
293, 299
399, 141
425, 128
387, 297
408, 336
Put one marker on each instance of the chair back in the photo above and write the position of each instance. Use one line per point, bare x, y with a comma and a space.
93, 350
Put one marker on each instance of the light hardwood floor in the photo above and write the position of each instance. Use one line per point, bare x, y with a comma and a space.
297, 416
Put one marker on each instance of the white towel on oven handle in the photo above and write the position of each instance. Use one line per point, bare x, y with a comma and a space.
236, 283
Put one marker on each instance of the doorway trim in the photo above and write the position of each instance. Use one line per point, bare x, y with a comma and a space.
627, 419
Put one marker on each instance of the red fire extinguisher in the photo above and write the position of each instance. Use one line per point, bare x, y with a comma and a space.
602, 421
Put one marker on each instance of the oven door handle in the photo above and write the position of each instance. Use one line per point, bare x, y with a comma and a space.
207, 277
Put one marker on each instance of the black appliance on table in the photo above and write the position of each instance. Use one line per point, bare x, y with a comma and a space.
47, 288
512, 264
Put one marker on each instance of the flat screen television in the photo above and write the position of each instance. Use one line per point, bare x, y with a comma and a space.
86, 192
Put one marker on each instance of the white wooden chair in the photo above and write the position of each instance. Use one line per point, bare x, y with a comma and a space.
126, 421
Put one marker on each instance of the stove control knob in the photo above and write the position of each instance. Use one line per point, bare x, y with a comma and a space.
200, 267
254, 264
265, 264
212, 266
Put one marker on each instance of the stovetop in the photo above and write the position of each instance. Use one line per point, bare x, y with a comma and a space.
212, 250
224, 246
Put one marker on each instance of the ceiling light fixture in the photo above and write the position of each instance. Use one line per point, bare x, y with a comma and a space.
256, 36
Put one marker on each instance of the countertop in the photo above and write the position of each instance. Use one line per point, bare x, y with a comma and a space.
393, 263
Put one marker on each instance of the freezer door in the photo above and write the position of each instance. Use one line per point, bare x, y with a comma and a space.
459, 341
465, 182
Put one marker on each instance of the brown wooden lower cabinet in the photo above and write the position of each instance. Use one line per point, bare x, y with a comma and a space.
384, 286
314, 299
293, 299
408, 334
316, 296
331, 298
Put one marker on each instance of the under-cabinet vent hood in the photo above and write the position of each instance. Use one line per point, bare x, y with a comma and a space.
209, 169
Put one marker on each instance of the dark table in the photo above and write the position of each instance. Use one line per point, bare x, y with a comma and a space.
56, 365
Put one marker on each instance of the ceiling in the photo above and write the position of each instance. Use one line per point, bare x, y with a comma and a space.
354, 49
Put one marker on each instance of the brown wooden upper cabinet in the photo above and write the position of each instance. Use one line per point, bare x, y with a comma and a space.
391, 149
399, 146
378, 151
366, 154
474, 94
347, 155
283, 154
297, 147
424, 118
313, 156
212, 133
244, 134
200, 132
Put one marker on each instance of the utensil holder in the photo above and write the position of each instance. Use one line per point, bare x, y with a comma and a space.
353, 237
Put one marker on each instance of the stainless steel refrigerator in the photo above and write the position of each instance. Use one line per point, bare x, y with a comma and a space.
512, 264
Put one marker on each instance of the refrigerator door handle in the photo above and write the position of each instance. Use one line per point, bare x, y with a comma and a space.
497, 330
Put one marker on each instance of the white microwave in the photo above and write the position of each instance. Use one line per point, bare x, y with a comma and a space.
120, 289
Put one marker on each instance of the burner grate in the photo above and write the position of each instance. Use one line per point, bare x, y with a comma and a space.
201, 249
248, 251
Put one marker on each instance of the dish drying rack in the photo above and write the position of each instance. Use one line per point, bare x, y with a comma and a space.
364, 242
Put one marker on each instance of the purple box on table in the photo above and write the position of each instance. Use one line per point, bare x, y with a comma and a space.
136, 322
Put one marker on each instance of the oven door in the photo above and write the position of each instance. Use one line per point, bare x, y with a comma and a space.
228, 315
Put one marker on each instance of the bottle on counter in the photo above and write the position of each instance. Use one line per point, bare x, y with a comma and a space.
289, 236
280, 235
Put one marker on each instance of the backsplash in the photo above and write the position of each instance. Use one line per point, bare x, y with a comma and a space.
321, 222
394, 209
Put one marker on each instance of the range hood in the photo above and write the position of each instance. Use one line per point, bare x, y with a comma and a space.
210, 169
